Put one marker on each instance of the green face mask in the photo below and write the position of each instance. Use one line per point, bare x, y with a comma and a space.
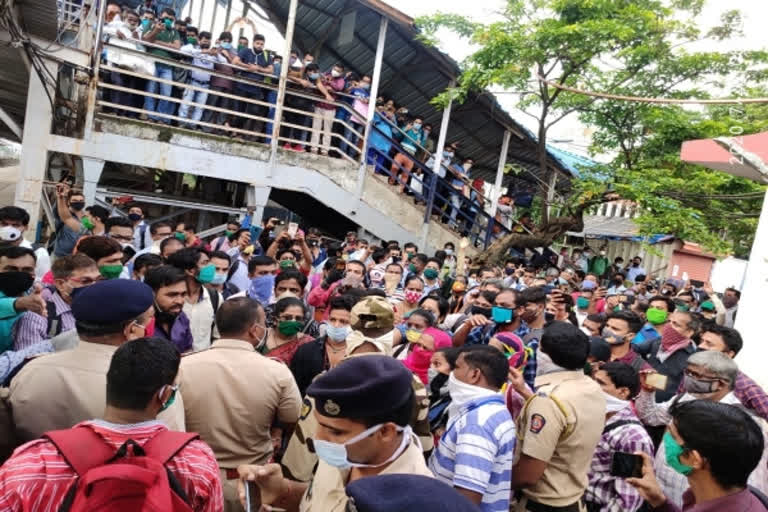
87, 223
241, 47
228, 233
111, 271
412, 268
168, 23
656, 316
286, 264
410, 255
582, 303
206, 274
673, 451
192, 40
430, 273
180, 236
289, 328
170, 400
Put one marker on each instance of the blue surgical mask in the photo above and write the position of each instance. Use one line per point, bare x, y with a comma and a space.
502, 315
219, 278
313, 76
337, 334
226, 46
335, 454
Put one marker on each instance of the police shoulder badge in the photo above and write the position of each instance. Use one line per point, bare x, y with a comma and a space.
331, 408
537, 423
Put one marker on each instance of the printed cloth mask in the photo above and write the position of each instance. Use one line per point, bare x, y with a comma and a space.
261, 288
335, 454
656, 316
14, 284
502, 315
436, 381
206, 274
670, 338
337, 334
672, 452
413, 296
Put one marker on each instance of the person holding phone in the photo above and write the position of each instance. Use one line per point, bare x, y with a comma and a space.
623, 436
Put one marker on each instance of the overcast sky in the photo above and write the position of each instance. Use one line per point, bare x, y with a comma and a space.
755, 14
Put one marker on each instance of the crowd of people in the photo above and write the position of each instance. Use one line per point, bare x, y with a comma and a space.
326, 110
272, 364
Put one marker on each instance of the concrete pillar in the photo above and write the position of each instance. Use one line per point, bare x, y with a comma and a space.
256, 197
38, 119
749, 320
92, 168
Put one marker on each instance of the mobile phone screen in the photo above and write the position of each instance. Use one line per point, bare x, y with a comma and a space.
626, 465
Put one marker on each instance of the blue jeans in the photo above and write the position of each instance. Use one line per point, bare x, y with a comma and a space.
271, 98
379, 159
351, 137
163, 106
195, 97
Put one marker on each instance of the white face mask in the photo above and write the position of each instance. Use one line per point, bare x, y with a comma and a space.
613, 404
335, 74
463, 393
544, 364
335, 454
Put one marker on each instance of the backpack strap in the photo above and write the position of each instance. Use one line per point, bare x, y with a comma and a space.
757, 493
166, 444
620, 423
82, 448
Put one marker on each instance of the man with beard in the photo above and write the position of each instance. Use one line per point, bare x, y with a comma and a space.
170, 288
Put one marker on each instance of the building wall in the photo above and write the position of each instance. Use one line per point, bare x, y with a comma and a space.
655, 260
690, 265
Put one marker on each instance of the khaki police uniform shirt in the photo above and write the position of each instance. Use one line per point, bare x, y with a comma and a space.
232, 395
57, 391
300, 462
565, 441
326, 490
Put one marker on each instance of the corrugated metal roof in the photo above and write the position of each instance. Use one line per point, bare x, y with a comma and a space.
412, 74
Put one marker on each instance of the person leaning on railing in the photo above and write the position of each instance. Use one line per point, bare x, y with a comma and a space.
259, 62
325, 113
204, 58
379, 141
122, 30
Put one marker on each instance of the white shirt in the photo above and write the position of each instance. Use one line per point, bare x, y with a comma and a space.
201, 319
201, 60
43, 259
137, 236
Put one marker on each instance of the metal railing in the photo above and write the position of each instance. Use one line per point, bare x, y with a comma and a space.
126, 68
70, 17
441, 199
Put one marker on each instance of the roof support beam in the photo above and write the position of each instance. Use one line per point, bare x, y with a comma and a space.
10, 123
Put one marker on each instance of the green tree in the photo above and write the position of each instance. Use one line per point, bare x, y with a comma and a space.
613, 46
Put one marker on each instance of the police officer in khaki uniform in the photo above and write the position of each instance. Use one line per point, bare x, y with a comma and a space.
363, 407
59, 390
559, 426
234, 395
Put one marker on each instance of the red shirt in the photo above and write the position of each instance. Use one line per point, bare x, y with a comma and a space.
37, 477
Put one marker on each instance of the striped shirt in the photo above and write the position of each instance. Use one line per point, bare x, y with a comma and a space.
476, 452
37, 477
32, 328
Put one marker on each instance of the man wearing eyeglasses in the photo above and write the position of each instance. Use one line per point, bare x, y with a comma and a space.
69, 273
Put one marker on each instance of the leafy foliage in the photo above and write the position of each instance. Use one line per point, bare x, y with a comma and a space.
638, 48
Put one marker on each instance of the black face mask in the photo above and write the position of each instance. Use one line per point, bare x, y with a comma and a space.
14, 284
549, 317
479, 310
437, 383
77, 205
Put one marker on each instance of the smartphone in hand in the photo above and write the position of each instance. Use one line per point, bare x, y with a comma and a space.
293, 228
626, 465
656, 381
